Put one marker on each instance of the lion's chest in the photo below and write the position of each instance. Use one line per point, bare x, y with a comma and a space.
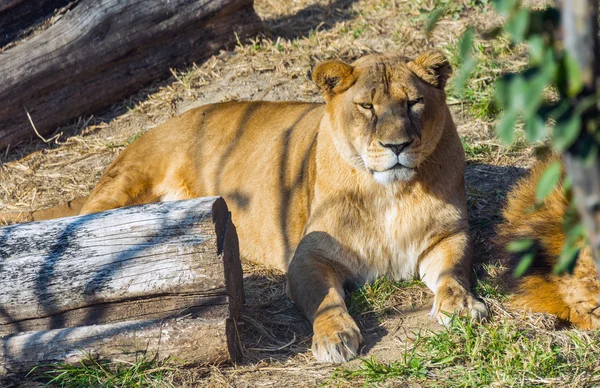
397, 236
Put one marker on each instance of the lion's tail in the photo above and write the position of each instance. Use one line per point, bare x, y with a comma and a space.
70, 208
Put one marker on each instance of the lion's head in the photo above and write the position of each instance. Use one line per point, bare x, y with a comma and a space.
386, 113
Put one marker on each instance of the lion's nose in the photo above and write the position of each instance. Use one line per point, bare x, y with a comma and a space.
396, 148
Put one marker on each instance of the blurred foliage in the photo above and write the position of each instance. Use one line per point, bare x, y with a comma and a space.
546, 99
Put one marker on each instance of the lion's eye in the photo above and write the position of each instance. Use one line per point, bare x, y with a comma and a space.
366, 106
415, 101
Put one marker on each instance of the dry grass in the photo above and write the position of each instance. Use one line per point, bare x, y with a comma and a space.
275, 66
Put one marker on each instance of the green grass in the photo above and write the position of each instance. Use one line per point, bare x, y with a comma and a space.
90, 373
475, 151
494, 57
456, 9
490, 286
496, 354
487, 288
377, 297
125, 143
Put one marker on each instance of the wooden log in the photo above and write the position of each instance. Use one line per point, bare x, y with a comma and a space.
193, 341
104, 50
8, 4
21, 18
95, 282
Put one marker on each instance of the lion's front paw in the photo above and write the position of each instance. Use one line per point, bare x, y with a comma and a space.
457, 300
336, 337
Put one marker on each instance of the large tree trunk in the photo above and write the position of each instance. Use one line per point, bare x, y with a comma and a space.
579, 19
163, 277
104, 50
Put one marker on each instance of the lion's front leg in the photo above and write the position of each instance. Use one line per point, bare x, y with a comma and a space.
446, 270
315, 284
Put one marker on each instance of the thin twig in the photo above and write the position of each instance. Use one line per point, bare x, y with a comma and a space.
35, 129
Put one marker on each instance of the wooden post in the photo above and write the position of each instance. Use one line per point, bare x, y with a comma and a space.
104, 50
164, 277
579, 19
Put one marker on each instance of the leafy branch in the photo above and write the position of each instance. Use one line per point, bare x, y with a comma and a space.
553, 99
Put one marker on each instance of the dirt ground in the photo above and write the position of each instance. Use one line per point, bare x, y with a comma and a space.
275, 66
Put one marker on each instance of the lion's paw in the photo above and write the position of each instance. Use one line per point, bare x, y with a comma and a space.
336, 338
457, 300
585, 314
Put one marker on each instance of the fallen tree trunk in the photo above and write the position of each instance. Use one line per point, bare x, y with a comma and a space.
193, 341
8, 4
109, 282
22, 18
102, 51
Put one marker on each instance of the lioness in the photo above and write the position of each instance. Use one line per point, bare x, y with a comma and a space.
336, 194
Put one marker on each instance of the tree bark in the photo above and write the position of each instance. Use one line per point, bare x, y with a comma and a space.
579, 19
104, 50
191, 341
8, 4
131, 271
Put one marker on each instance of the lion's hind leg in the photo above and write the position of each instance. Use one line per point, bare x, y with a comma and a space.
125, 185
117, 189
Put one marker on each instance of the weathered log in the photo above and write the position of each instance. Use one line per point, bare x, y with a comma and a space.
192, 340
21, 18
132, 271
8, 4
104, 50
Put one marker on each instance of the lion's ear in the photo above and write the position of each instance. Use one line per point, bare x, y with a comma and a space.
432, 67
333, 77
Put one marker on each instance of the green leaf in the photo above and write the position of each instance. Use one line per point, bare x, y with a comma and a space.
518, 24
468, 61
573, 75
537, 79
523, 265
501, 91
466, 43
506, 127
565, 133
433, 18
446, 360
415, 363
576, 233
548, 181
517, 90
536, 49
535, 128
519, 246
567, 259
505, 7
463, 75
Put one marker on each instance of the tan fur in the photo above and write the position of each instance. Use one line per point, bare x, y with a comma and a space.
71, 208
571, 297
312, 190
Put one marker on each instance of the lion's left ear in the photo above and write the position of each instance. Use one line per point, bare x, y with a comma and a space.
432, 67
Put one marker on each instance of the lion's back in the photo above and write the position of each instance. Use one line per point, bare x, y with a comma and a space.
258, 156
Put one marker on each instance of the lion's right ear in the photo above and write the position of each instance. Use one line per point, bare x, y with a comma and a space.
333, 77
